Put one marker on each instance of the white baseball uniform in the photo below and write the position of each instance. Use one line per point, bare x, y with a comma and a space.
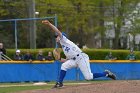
76, 58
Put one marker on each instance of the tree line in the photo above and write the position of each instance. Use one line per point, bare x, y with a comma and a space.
82, 20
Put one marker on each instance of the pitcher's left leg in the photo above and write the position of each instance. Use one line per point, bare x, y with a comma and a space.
64, 67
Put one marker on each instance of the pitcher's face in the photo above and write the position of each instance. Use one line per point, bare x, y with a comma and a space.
57, 39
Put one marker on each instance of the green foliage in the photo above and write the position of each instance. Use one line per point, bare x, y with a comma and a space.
94, 54
83, 18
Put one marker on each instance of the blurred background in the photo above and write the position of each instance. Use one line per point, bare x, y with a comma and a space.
112, 24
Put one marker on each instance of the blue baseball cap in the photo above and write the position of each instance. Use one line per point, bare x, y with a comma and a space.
64, 34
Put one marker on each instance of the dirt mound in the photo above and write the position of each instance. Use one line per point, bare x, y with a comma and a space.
132, 86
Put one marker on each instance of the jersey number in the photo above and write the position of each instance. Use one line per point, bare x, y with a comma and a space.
66, 48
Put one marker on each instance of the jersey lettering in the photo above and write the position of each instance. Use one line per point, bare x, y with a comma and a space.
66, 48
63, 46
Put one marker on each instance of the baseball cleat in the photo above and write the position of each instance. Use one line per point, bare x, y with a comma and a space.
110, 74
58, 85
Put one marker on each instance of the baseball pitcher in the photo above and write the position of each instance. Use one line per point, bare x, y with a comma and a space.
74, 58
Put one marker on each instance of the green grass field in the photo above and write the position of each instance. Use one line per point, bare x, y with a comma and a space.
21, 88
15, 87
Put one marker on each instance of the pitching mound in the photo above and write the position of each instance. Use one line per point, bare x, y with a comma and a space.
132, 86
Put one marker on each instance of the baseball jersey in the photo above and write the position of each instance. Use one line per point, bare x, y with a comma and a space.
70, 49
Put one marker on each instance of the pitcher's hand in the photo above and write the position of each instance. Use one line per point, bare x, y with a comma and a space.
46, 22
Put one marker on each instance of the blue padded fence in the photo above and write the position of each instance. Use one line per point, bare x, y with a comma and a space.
21, 72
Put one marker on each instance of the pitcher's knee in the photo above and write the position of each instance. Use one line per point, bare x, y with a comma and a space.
63, 67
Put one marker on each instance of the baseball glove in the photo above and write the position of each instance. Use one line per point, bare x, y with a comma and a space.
56, 54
